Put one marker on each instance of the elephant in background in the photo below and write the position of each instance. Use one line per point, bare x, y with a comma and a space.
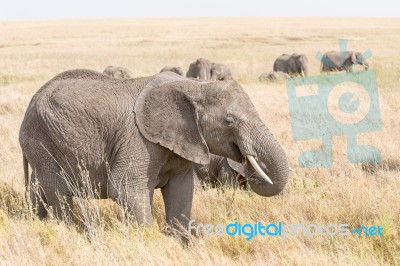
333, 61
200, 69
273, 76
220, 72
176, 70
117, 72
294, 64
219, 172
134, 136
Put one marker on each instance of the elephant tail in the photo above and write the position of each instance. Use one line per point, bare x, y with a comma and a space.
26, 175
26, 170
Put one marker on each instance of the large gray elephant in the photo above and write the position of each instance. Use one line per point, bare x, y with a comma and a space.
220, 72
335, 61
176, 70
294, 64
273, 76
200, 69
117, 72
220, 171
130, 137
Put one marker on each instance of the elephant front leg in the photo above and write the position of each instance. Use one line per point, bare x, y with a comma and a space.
139, 205
178, 198
136, 200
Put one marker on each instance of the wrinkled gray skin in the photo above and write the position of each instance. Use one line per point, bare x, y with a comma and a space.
176, 70
136, 135
332, 61
117, 72
219, 172
273, 76
201, 69
295, 64
220, 72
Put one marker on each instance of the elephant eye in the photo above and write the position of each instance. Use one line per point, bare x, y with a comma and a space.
230, 121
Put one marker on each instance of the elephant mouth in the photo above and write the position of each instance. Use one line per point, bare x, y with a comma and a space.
235, 152
258, 169
238, 156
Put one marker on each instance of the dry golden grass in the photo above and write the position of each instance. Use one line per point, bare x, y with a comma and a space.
33, 52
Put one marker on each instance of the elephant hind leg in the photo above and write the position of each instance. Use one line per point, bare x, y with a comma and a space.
43, 196
50, 188
63, 208
37, 198
59, 197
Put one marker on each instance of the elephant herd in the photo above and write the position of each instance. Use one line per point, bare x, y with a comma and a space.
287, 66
201, 69
135, 135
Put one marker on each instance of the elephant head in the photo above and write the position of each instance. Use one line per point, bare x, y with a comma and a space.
117, 72
357, 58
301, 64
220, 72
176, 70
201, 69
194, 119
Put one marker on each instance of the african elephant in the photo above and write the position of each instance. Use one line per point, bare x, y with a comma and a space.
133, 136
220, 72
117, 72
273, 76
333, 61
176, 70
220, 171
295, 64
200, 69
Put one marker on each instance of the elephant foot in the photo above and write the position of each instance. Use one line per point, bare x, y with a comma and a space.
181, 234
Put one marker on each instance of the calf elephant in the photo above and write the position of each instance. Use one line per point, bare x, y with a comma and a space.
220, 171
220, 72
337, 61
134, 136
295, 64
176, 70
200, 69
273, 76
117, 72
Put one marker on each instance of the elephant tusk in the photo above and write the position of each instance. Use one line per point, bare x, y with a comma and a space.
291, 169
258, 169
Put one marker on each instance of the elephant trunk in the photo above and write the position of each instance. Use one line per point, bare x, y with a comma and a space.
304, 70
271, 160
203, 74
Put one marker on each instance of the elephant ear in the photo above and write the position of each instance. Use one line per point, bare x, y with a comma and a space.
192, 71
166, 113
238, 167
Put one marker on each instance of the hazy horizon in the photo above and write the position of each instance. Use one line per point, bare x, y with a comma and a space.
124, 9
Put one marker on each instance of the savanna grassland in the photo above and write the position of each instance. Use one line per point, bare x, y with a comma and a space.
31, 53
